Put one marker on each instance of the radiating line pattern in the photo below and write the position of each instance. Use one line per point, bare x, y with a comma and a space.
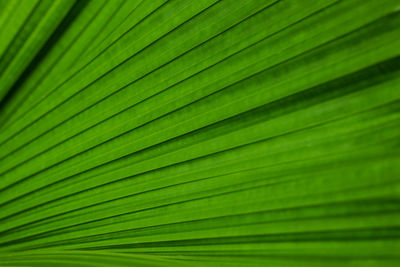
199, 132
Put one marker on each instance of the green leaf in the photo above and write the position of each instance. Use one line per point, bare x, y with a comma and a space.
217, 133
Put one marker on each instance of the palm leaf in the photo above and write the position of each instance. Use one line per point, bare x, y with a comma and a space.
206, 132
